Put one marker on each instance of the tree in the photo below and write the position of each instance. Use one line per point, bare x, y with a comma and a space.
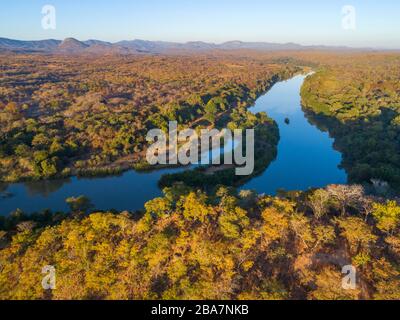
195, 208
248, 198
387, 216
79, 205
211, 110
318, 202
233, 222
22, 150
301, 226
387, 280
12, 108
324, 235
49, 167
358, 233
276, 224
366, 207
158, 207
329, 287
346, 196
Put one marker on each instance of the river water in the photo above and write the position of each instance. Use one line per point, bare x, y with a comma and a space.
306, 159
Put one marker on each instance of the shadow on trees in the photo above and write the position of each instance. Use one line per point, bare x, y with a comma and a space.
370, 146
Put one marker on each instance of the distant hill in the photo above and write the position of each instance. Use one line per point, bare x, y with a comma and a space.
17, 45
71, 45
74, 46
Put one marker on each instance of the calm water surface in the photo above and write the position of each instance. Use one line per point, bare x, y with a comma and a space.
306, 158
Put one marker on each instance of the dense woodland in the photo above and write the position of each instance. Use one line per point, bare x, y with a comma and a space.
63, 116
358, 101
266, 134
67, 115
225, 245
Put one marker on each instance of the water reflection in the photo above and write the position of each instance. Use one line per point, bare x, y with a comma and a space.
305, 159
45, 188
306, 156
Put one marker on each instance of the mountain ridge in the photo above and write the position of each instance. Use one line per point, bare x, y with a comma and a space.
74, 46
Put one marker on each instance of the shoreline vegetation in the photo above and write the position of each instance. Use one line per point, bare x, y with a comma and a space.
217, 243
40, 136
265, 151
221, 119
342, 97
221, 245
359, 105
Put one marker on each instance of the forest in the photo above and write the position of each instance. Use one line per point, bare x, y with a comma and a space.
203, 239
67, 115
221, 245
357, 100
266, 135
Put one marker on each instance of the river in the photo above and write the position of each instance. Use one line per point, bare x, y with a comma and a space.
306, 159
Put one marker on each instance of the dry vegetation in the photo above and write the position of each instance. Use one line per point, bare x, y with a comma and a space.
189, 245
357, 100
65, 115
90, 115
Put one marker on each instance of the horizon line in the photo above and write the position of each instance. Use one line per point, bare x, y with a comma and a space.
213, 43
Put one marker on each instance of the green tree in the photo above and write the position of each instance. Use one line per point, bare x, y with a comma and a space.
79, 205
387, 216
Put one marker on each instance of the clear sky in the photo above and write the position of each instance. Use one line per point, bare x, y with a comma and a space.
300, 21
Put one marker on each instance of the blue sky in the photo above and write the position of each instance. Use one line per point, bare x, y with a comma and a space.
305, 21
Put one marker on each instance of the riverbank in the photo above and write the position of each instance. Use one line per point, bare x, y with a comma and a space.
305, 158
86, 161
